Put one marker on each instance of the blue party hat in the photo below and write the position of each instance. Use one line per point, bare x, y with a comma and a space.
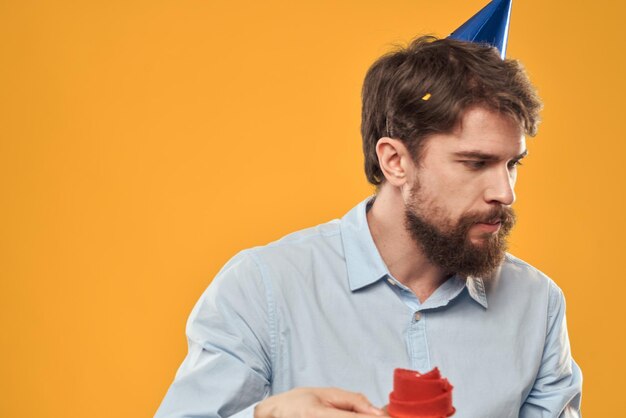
490, 26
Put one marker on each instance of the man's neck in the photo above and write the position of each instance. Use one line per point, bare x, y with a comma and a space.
405, 260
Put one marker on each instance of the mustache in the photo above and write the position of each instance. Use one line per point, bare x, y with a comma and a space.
503, 214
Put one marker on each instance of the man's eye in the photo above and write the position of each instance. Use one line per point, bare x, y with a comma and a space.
514, 164
476, 165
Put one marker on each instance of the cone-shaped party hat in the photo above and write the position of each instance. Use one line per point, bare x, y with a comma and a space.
490, 26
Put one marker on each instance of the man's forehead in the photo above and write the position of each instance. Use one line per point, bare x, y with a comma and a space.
503, 142
488, 134
480, 147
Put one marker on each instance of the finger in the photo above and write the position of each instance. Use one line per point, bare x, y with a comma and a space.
350, 401
331, 412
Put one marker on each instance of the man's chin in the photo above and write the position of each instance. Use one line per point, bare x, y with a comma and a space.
480, 241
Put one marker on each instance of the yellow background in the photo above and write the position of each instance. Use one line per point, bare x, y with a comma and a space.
144, 143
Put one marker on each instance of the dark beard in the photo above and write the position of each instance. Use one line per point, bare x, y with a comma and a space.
453, 251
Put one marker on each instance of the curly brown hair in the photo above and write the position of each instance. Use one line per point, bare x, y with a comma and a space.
423, 89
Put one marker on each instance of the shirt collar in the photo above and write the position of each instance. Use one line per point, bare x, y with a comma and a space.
364, 263
366, 266
476, 289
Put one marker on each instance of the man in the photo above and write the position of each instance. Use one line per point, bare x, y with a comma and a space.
415, 277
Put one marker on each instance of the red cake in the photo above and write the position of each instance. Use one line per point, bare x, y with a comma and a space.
417, 395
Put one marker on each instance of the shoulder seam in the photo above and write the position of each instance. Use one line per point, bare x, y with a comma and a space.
514, 260
281, 243
517, 261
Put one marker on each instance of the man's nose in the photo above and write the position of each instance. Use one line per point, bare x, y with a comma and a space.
501, 188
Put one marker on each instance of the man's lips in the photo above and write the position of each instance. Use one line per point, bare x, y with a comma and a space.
489, 227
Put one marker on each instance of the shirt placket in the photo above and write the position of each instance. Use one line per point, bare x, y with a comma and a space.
416, 342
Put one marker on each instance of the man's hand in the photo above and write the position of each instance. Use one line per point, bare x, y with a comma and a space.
317, 402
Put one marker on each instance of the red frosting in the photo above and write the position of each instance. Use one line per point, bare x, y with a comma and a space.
418, 395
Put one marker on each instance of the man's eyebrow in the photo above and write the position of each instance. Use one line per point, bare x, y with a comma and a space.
479, 155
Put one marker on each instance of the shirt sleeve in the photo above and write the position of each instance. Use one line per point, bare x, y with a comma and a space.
227, 369
557, 390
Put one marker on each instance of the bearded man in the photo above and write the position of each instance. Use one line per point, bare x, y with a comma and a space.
416, 276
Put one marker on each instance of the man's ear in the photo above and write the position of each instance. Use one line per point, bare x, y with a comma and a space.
394, 160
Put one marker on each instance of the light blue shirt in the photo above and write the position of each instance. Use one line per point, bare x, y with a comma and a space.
320, 308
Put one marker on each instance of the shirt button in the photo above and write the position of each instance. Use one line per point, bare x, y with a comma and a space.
417, 316
391, 282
